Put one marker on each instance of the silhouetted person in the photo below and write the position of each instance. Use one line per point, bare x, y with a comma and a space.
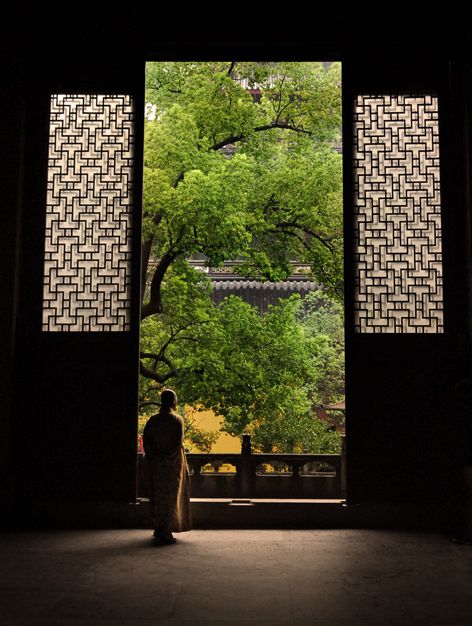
167, 468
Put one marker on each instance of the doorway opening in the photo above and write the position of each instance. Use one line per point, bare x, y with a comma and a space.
242, 278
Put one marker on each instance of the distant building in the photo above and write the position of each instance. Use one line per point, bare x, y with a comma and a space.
333, 415
258, 293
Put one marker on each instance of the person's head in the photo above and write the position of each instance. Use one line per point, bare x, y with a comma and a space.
168, 399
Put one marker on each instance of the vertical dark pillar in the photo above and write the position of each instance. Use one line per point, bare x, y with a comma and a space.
11, 121
400, 386
245, 470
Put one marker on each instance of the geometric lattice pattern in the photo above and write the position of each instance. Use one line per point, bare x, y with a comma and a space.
87, 266
397, 215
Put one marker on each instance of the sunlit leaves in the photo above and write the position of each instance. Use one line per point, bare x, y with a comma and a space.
258, 201
241, 163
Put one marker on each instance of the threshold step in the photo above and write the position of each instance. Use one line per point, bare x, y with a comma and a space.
255, 501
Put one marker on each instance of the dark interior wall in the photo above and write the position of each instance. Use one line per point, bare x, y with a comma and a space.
406, 431
405, 434
75, 396
11, 117
75, 419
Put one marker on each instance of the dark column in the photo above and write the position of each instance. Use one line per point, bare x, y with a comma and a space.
11, 120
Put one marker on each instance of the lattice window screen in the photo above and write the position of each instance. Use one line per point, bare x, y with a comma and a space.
397, 207
87, 268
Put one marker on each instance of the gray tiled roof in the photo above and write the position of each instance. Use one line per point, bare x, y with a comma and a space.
261, 294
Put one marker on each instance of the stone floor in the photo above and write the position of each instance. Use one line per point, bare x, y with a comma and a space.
220, 577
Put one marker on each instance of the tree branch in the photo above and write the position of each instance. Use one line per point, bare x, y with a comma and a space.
144, 404
155, 302
145, 256
230, 71
174, 334
180, 176
159, 378
151, 373
324, 240
290, 233
270, 204
279, 100
258, 129
152, 355
281, 110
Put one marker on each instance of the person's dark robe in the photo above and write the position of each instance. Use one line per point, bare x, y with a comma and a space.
167, 470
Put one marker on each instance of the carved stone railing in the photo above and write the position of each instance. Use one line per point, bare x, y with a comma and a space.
269, 475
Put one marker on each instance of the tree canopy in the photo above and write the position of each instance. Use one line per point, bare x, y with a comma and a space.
240, 163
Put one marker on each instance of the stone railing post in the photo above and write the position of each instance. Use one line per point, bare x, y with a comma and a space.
296, 467
245, 467
196, 480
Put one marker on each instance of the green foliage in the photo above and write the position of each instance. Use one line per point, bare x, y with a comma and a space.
323, 323
276, 195
281, 371
197, 440
251, 176
263, 374
292, 433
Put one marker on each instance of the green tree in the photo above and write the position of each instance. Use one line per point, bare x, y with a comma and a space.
236, 174
239, 164
318, 323
322, 318
265, 375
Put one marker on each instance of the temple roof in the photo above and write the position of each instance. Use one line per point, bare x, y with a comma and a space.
338, 406
296, 285
260, 294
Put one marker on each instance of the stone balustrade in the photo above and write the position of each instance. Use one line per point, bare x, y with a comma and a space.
267, 475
